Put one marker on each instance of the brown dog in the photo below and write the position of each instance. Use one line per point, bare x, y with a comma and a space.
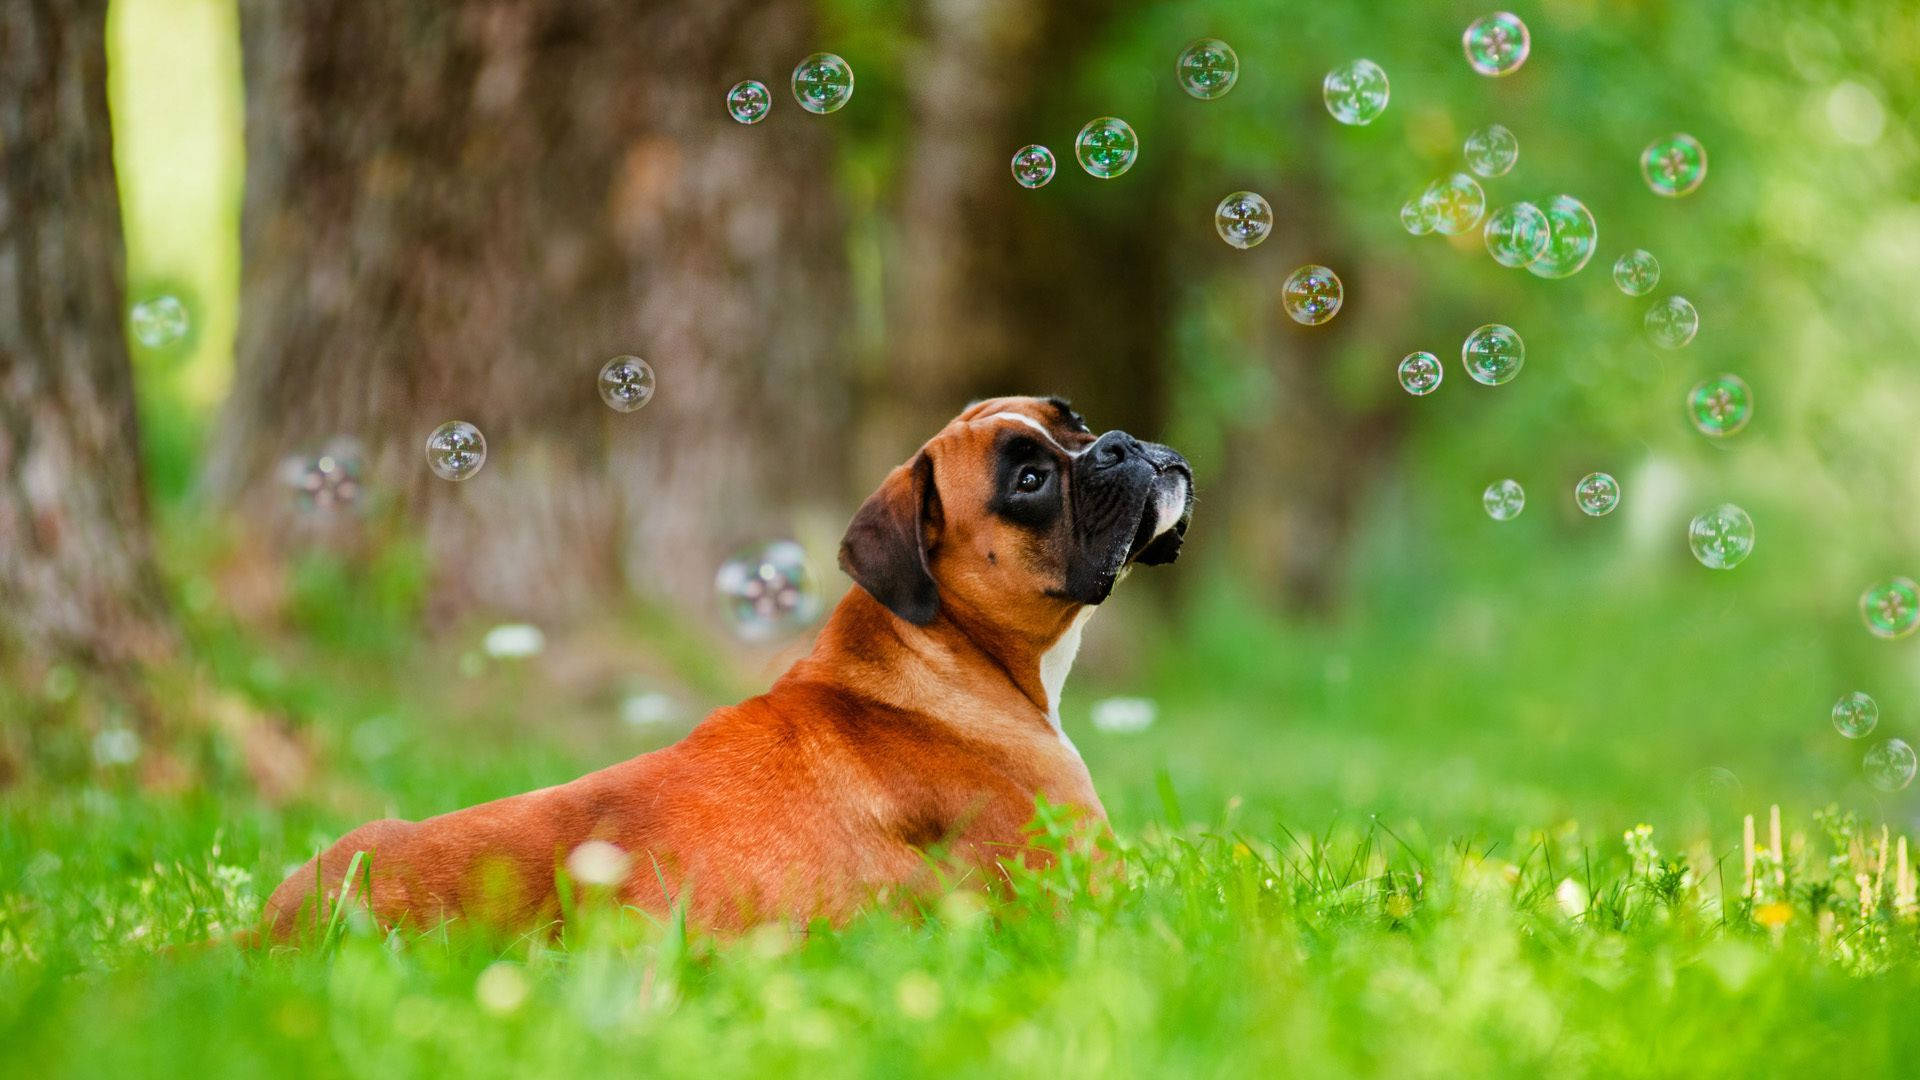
926, 715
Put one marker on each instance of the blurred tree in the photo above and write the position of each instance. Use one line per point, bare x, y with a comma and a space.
462, 210
77, 577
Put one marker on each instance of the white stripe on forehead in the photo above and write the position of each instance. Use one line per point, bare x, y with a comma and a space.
1035, 425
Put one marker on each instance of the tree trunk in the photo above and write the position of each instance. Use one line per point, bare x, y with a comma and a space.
462, 210
77, 578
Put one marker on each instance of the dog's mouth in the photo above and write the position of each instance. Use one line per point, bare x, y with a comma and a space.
1164, 516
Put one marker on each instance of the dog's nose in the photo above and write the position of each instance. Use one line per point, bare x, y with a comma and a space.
1113, 448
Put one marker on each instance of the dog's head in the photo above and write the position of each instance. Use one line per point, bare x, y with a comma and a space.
1018, 512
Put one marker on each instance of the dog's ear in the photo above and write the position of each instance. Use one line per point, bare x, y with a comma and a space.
885, 549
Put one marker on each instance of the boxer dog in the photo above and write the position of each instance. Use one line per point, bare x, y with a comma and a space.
925, 718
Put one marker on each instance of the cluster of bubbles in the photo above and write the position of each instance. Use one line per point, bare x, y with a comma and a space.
822, 83
328, 480
1312, 295
457, 450
769, 592
159, 321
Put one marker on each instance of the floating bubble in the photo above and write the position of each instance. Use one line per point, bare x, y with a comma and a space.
1493, 354
1207, 69
456, 450
1124, 715
1892, 608
1033, 166
1721, 538
1106, 147
1596, 494
1720, 406
1504, 499
158, 321
770, 592
1715, 788
1636, 272
822, 83
1890, 765
1516, 234
1312, 295
1672, 322
1675, 165
1492, 150
749, 101
1356, 92
1454, 204
1243, 219
1414, 217
1571, 237
1420, 373
1496, 44
626, 383
328, 480
1855, 715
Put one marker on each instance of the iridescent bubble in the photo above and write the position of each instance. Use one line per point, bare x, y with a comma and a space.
1356, 92
1855, 715
1720, 406
1674, 165
1454, 204
1504, 499
749, 101
1891, 609
1596, 494
1571, 237
1033, 166
1493, 354
1207, 69
822, 83
626, 383
1636, 272
1414, 217
1420, 373
1715, 788
1312, 295
1106, 147
1492, 150
1721, 538
456, 450
770, 592
1672, 322
1890, 765
158, 321
1496, 44
1243, 219
1516, 234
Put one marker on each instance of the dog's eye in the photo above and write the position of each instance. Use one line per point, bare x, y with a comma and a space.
1030, 480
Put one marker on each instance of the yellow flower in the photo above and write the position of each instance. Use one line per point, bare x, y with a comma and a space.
1774, 914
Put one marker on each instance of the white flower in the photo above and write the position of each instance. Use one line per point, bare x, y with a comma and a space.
514, 641
598, 862
649, 709
1124, 715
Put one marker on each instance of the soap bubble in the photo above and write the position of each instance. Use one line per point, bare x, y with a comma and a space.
1414, 217
158, 321
1420, 373
1454, 205
770, 592
1207, 69
626, 383
1356, 92
1516, 234
1243, 219
1571, 237
327, 480
1312, 295
1855, 715
1492, 150
1496, 44
1493, 354
1504, 499
456, 450
1033, 166
1596, 494
1124, 715
1890, 765
1720, 406
1721, 538
822, 83
749, 101
1672, 322
1674, 165
1636, 272
1892, 608
1106, 147
1715, 788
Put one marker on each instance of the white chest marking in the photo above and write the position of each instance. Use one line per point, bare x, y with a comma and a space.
1055, 663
